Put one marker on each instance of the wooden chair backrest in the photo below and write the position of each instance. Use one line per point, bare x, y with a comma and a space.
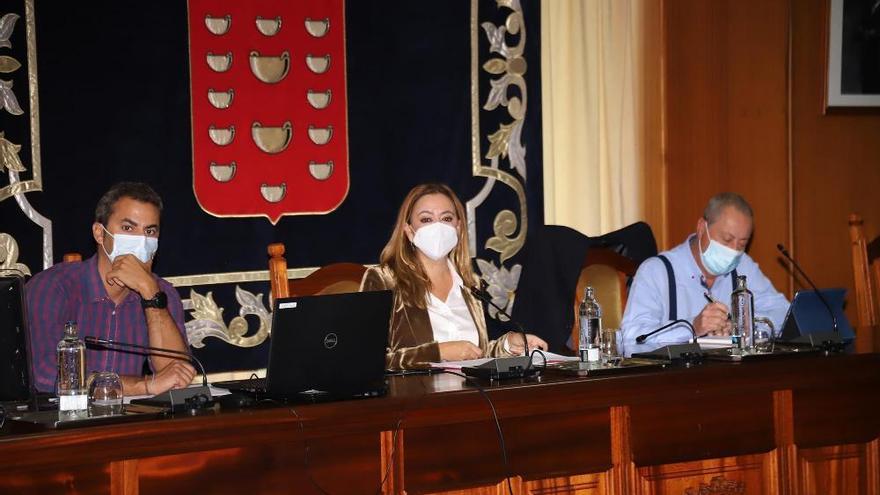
866, 271
607, 272
336, 278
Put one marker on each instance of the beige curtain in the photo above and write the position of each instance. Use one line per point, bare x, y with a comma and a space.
592, 74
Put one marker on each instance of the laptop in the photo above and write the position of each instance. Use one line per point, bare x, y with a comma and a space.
16, 385
328, 347
807, 316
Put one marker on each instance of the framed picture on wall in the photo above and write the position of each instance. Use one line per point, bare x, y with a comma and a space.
853, 78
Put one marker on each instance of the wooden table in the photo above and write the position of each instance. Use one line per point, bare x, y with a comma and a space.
804, 425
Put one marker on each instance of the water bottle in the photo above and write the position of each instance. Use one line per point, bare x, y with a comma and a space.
590, 322
742, 304
71, 382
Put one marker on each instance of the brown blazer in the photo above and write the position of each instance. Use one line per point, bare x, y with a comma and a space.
411, 341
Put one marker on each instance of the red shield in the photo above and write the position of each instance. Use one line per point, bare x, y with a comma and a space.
269, 118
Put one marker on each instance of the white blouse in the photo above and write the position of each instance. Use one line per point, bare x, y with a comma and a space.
451, 320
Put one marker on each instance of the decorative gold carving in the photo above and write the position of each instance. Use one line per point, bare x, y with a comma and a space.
321, 171
222, 173
272, 139
320, 135
9, 256
219, 63
207, 320
317, 28
273, 194
7, 25
319, 99
270, 69
718, 486
221, 136
509, 230
269, 27
35, 183
8, 100
221, 99
9, 155
8, 64
318, 64
218, 25
233, 277
501, 285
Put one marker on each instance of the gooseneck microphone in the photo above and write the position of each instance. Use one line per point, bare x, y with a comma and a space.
821, 297
641, 338
481, 294
193, 397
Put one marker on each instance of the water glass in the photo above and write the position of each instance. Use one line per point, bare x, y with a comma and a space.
105, 394
609, 344
764, 335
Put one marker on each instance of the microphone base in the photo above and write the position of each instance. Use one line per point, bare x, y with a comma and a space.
181, 399
829, 342
672, 352
502, 369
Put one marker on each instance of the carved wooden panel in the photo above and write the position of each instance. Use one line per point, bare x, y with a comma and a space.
751, 474
79, 479
699, 425
335, 465
468, 454
836, 470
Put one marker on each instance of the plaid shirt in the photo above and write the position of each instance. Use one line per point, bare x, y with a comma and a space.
74, 292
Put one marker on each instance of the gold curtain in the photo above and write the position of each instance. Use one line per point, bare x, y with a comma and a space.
598, 98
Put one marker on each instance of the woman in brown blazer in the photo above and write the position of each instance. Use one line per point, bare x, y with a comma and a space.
427, 265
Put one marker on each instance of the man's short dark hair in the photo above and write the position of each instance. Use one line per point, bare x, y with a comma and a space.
720, 201
137, 191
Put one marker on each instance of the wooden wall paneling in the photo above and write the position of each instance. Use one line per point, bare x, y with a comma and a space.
786, 451
837, 470
725, 115
124, 477
836, 161
654, 190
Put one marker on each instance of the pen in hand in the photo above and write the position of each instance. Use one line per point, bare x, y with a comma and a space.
713, 300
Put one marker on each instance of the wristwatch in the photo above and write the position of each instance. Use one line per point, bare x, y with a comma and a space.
159, 301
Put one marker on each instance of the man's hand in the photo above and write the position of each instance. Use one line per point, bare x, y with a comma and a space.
128, 271
713, 320
178, 374
459, 350
515, 342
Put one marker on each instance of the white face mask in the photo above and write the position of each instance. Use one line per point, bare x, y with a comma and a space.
436, 240
718, 258
143, 247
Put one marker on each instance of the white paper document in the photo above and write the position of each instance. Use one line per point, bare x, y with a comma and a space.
715, 342
537, 360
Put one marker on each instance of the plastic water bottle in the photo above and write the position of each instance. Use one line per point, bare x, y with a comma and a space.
742, 304
71, 382
590, 322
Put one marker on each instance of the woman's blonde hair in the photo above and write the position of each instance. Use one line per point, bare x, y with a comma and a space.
399, 255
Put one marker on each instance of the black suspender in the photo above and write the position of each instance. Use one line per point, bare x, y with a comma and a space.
673, 295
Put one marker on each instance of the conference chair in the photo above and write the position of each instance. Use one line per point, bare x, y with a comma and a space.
70, 257
609, 274
336, 278
866, 275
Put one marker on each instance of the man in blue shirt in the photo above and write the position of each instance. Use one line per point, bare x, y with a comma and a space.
706, 263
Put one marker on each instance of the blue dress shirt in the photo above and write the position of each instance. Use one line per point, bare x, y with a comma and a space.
647, 307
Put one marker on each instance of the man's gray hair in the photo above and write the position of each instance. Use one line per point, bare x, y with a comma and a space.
721, 201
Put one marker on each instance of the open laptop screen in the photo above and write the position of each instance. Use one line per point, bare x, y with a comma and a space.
807, 314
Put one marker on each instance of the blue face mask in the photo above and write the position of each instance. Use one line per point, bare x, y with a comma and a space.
718, 259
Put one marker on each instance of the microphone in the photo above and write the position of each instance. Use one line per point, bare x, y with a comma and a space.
191, 397
836, 336
689, 353
641, 338
483, 295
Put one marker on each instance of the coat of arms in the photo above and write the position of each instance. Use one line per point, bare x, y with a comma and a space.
269, 118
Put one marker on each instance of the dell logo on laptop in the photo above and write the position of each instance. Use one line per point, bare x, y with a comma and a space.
330, 340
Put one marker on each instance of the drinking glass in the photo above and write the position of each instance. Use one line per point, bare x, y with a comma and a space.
764, 335
609, 345
105, 394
